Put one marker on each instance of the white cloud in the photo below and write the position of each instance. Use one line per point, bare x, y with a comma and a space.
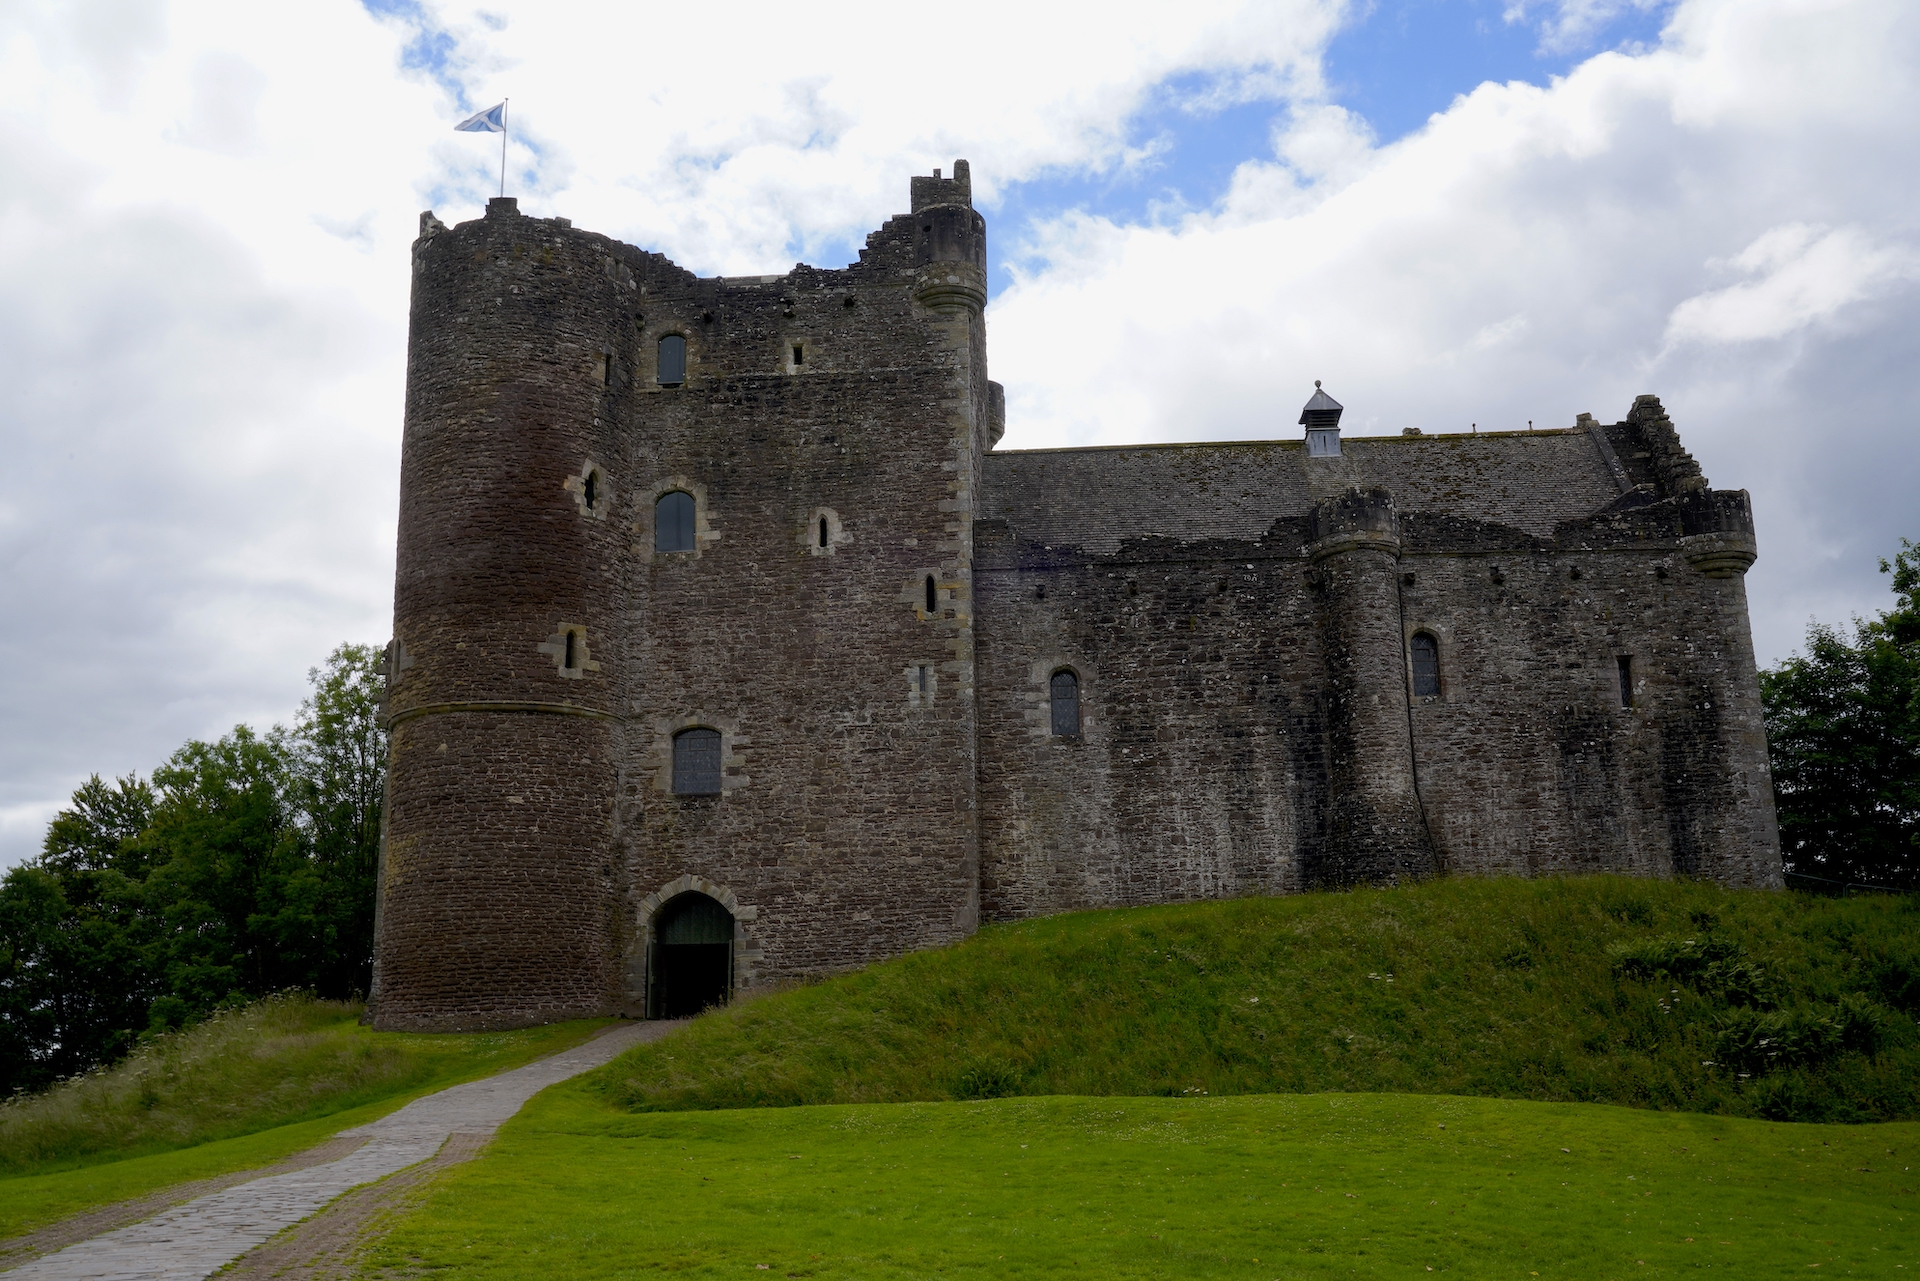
1805, 274
1570, 25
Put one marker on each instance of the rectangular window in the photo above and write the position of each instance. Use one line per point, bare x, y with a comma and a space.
1426, 666
1064, 691
1626, 680
673, 361
696, 762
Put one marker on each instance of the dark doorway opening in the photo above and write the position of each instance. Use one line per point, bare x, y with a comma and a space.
691, 968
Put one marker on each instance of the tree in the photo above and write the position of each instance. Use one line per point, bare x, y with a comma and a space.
245, 867
224, 846
78, 956
1843, 732
339, 759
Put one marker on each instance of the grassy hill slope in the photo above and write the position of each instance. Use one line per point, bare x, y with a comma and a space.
1653, 994
240, 1090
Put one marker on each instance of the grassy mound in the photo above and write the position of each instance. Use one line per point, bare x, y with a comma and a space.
273, 1063
1656, 994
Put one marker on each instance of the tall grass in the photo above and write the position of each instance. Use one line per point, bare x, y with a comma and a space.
277, 1061
1655, 994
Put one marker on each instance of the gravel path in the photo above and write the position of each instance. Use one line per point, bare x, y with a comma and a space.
197, 1239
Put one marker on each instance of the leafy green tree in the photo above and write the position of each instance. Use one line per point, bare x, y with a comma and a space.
1843, 731
339, 772
77, 955
245, 867
224, 846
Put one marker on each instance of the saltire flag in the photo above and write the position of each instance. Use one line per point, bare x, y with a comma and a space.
492, 120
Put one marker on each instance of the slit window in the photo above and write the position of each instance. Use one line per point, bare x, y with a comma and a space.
920, 680
673, 522
696, 762
823, 531
590, 488
573, 651
1064, 693
1626, 680
673, 361
1426, 666
799, 354
933, 595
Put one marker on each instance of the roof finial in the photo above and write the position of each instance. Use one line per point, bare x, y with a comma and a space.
1316, 382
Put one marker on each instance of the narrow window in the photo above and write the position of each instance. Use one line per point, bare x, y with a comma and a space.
673, 361
823, 531
590, 488
799, 354
920, 679
696, 762
933, 595
1426, 666
1065, 691
573, 657
673, 522
1626, 680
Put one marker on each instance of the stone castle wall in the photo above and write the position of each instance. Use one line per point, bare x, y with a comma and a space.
1238, 618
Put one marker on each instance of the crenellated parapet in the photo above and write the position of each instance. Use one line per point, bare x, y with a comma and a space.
1717, 537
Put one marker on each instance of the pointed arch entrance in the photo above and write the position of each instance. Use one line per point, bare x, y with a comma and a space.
690, 962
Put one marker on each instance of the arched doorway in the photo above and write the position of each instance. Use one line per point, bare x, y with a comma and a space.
691, 963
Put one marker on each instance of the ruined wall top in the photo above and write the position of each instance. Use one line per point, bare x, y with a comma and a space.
957, 190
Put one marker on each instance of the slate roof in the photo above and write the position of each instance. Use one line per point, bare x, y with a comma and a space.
1095, 498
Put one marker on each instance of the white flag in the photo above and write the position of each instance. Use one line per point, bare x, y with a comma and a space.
492, 120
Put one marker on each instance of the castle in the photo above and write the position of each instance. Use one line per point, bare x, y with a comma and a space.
728, 650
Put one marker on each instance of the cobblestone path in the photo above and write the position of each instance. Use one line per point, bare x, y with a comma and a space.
197, 1239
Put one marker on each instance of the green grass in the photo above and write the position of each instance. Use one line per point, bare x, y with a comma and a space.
1657, 994
237, 1091
1256, 1187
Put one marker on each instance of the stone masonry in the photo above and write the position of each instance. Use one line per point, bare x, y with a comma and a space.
873, 605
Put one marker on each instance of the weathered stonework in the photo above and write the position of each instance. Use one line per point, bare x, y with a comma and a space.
1238, 617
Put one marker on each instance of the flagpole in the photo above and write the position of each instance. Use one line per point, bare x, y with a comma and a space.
503, 146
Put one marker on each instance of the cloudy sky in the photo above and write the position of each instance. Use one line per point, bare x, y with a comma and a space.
1452, 211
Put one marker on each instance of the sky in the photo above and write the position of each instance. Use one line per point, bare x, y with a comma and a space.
1453, 212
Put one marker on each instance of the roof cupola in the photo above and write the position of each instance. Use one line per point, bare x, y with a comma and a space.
1321, 418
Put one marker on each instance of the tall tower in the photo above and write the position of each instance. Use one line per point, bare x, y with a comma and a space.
496, 891
682, 679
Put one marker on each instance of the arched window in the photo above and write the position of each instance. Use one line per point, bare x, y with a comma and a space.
1426, 666
933, 594
673, 361
823, 531
573, 655
1065, 691
696, 762
673, 522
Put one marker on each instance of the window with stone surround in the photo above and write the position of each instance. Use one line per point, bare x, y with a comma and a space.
672, 366
1426, 666
696, 762
673, 522
1064, 693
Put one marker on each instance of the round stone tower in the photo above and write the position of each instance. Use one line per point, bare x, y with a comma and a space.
497, 898
1375, 828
